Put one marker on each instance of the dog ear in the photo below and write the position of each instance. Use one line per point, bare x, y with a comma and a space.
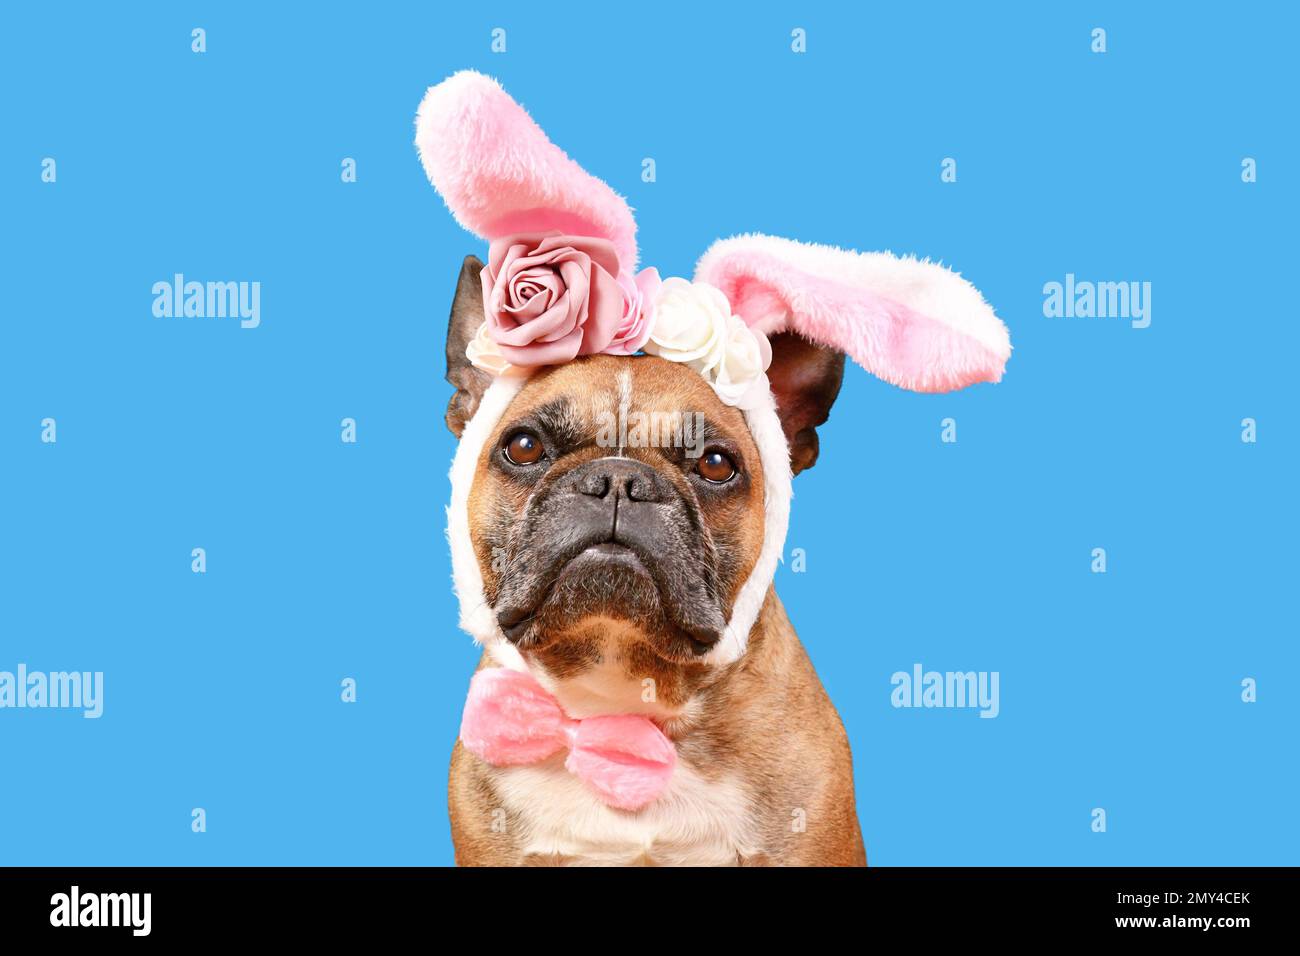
914, 324
466, 317
805, 378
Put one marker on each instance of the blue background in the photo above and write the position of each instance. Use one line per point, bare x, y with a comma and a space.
328, 560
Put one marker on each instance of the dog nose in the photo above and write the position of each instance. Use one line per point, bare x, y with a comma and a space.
623, 478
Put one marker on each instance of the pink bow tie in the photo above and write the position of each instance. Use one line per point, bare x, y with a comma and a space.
510, 719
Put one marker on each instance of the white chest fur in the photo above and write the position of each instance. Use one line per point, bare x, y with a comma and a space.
696, 822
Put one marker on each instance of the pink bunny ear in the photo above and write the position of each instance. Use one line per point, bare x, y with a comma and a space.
499, 174
912, 323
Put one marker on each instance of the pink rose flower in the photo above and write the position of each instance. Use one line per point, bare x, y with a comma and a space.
638, 312
549, 297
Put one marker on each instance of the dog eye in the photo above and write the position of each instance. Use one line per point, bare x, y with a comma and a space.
523, 448
716, 467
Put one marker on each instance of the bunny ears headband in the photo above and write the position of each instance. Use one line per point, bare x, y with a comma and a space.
561, 282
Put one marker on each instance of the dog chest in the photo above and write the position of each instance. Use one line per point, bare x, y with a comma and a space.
695, 822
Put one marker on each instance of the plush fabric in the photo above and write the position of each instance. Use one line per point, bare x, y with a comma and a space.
511, 720
499, 174
778, 489
476, 615
914, 324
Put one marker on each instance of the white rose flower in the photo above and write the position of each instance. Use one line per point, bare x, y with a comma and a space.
483, 353
690, 324
739, 378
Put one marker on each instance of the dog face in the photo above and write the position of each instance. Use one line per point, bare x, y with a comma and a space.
618, 508
620, 500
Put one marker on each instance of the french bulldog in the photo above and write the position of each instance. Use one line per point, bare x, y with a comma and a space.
611, 571
642, 698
